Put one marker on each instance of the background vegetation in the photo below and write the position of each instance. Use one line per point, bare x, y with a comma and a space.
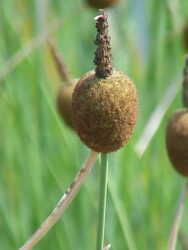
40, 155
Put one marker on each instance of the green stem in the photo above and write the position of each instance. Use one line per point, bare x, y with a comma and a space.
102, 201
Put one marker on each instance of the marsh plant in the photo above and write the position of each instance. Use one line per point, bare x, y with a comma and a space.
104, 112
177, 148
64, 95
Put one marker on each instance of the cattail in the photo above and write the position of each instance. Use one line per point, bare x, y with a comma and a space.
177, 132
105, 102
64, 95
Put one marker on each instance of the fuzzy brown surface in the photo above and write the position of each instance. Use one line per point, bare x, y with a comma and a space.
177, 141
100, 4
105, 110
64, 103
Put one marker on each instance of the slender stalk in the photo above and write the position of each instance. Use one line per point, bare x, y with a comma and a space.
175, 227
59, 62
102, 201
64, 202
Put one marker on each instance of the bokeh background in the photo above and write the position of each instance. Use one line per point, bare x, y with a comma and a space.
40, 155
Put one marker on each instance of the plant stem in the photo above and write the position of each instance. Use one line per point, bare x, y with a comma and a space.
102, 201
177, 218
64, 202
59, 62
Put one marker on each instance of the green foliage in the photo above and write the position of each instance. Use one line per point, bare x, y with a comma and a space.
39, 155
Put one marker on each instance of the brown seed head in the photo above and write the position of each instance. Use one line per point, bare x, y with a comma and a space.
105, 110
177, 141
105, 102
64, 102
100, 4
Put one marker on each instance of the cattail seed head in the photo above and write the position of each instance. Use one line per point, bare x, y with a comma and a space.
105, 102
177, 141
105, 110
